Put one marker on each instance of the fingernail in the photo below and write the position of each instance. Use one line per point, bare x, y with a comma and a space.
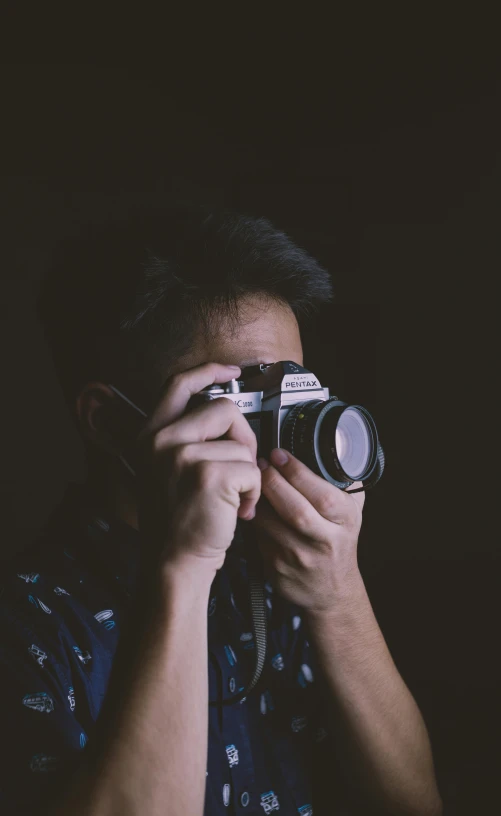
235, 368
250, 516
279, 456
262, 464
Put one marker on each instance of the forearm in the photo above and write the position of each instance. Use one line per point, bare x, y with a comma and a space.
381, 735
155, 756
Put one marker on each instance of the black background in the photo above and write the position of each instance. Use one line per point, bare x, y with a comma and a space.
383, 161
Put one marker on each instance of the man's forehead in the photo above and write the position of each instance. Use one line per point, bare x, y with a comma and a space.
265, 336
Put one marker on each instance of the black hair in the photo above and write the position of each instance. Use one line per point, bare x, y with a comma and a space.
122, 301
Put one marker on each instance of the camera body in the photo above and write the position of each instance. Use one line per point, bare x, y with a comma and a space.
287, 407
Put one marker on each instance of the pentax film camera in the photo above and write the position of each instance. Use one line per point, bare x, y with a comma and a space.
286, 407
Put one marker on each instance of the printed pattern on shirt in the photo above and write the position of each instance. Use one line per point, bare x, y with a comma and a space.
70, 603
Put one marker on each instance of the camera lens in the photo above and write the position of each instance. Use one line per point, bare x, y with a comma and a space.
353, 443
336, 440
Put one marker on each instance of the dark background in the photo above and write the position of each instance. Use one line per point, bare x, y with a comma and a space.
385, 165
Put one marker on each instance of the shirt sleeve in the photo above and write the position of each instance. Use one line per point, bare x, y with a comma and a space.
43, 740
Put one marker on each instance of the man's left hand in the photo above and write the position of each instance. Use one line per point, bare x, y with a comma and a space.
307, 533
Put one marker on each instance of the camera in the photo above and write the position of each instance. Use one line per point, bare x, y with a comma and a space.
286, 407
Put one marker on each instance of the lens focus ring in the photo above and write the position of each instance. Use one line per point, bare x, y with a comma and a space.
309, 432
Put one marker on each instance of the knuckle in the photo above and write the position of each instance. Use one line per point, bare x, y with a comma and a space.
205, 474
245, 453
272, 482
302, 520
232, 409
253, 443
326, 507
250, 437
159, 441
175, 380
180, 457
225, 404
213, 368
221, 404
304, 558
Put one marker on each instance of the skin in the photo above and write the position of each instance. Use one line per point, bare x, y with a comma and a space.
268, 332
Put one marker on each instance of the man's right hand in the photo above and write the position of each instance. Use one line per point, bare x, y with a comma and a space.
192, 485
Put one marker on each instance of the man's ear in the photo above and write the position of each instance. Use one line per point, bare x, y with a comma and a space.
95, 407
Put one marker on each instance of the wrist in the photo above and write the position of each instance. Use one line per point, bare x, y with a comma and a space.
188, 572
349, 596
176, 588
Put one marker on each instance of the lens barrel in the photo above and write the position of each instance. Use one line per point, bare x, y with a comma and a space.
336, 440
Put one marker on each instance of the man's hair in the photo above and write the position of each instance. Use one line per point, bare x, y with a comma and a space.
122, 302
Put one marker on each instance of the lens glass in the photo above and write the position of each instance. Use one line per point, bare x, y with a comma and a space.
353, 443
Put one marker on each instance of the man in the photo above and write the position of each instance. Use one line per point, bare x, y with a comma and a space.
127, 628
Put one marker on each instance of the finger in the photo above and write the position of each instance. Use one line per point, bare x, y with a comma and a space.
221, 451
181, 387
224, 450
209, 422
184, 457
291, 505
235, 481
329, 501
246, 477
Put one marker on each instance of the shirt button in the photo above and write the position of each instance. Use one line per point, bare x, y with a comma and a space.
244, 799
232, 684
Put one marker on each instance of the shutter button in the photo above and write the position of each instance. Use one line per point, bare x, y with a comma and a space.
244, 799
232, 684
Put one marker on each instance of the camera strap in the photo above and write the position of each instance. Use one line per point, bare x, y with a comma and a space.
256, 577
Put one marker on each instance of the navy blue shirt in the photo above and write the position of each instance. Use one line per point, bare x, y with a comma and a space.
64, 605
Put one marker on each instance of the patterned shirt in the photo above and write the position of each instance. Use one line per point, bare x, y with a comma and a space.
64, 603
